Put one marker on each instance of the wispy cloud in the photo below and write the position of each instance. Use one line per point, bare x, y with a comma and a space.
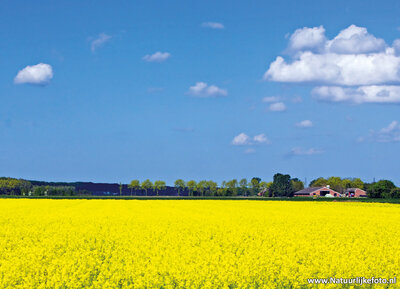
99, 41
305, 123
157, 57
297, 151
202, 89
39, 74
269, 99
391, 133
213, 25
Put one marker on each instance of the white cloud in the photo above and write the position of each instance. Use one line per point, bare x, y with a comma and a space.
337, 69
202, 89
260, 138
99, 41
271, 99
277, 106
354, 66
358, 95
305, 152
213, 25
304, 123
157, 57
39, 74
241, 139
307, 39
355, 40
244, 139
391, 133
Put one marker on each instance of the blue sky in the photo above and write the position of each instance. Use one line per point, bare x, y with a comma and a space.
117, 90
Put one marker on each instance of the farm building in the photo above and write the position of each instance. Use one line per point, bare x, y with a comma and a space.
355, 193
316, 191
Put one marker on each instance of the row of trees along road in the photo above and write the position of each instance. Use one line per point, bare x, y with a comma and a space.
283, 185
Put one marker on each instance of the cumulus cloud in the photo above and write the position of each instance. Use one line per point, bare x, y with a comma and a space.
358, 95
271, 99
307, 39
99, 41
305, 152
39, 74
202, 89
241, 139
355, 40
157, 57
244, 139
277, 106
304, 124
213, 25
391, 133
337, 69
354, 66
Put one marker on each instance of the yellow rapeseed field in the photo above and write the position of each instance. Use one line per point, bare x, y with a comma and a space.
194, 243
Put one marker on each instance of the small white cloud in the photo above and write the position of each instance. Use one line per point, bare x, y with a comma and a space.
213, 25
244, 139
271, 99
261, 138
241, 139
99, 41
305, 152
358, 95
304, 123
307, 39
202, 89
391, 133
277, 106
39, 74
157, 57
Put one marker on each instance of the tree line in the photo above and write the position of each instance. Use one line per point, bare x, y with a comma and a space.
282, 185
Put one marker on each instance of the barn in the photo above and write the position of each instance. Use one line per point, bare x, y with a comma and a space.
316, 191
355, 193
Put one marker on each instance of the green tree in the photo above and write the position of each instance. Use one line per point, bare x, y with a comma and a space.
180, 185
380, 189
159, 186
191, 186
146, 185
201, 187
357, 183
134, 185
212, 188
243, 187
254, 185
281, 186
232, 187
297, 184
320, 182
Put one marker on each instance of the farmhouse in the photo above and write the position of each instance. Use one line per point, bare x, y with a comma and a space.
316, 191
355, 193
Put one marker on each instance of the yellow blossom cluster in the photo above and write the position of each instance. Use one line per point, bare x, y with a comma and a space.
195, 243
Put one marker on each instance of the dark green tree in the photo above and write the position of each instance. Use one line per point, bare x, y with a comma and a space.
281, 186
380, 189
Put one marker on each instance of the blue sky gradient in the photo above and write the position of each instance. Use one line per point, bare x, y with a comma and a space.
109, 115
